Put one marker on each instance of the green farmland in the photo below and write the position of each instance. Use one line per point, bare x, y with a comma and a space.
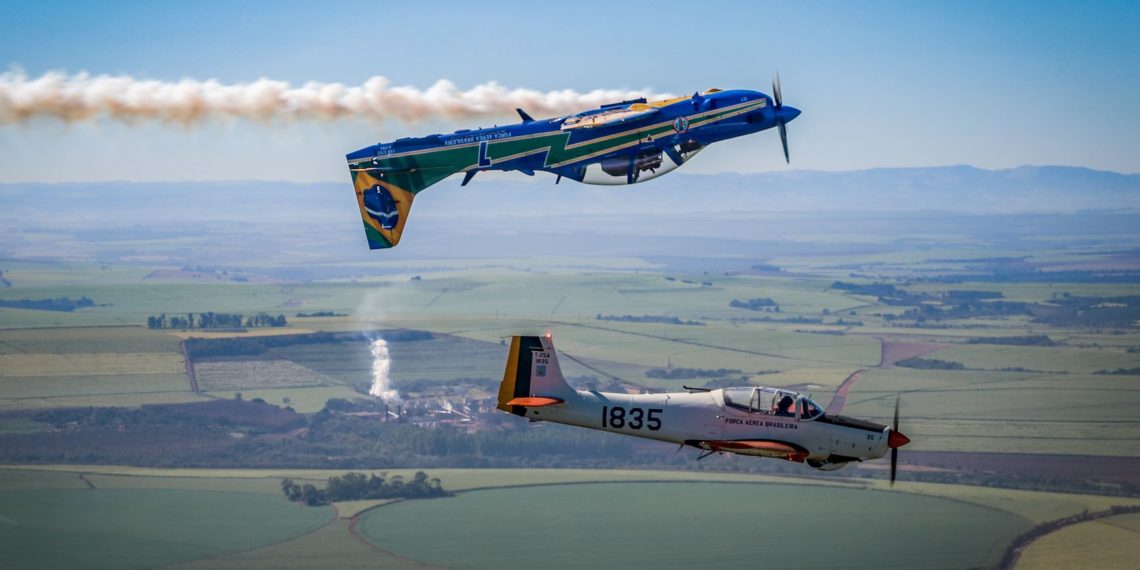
59, 520
690, 524
208, 518
1038, 431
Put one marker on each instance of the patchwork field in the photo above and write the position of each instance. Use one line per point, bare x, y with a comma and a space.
1020, 399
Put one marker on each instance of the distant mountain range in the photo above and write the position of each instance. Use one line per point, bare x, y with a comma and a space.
951, 188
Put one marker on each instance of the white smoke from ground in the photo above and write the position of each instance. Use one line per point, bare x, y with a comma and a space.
381, 364
82, 97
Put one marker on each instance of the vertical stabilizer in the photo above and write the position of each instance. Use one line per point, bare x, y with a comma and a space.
532, 371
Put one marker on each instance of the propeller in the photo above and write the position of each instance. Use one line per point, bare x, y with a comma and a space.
782, 117
895, 440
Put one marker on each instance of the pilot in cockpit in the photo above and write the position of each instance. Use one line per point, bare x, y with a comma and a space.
810, 410
784, 407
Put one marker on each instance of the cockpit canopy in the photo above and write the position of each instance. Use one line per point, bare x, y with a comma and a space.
772, 401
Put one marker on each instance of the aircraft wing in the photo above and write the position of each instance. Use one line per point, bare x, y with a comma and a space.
761, 447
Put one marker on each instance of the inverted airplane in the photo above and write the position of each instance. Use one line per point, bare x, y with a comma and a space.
620, 143
749, 420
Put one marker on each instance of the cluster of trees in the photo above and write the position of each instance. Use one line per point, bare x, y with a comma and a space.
690, 281
792, 320
766, 268
1123, 311
254, 416
1034, 275
757, 304
962, 296
1119, 371
926, 311
357, 486
687, 373
886, 293
63, 304
212, 320
648, 319
1027, 340
1065, 310
321, 314
222, 347
930, 364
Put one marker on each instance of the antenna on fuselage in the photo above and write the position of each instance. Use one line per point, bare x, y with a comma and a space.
641, 388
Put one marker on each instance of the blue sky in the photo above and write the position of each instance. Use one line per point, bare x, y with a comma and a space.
881, 84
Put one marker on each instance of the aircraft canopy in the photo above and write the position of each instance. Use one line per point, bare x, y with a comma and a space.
772, 401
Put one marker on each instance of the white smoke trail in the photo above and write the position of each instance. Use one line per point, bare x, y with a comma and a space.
123, 98
380, 367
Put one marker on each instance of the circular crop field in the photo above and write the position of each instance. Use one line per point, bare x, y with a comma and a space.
710, 525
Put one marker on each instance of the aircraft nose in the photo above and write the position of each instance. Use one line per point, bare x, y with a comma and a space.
788, 113
896, 440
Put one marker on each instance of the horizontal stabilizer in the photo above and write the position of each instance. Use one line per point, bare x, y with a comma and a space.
534, 401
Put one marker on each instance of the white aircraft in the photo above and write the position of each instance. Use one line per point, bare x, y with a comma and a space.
751, 420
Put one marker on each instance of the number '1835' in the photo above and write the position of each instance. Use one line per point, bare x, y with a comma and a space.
633, 418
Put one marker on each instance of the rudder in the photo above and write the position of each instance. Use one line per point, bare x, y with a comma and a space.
532, 371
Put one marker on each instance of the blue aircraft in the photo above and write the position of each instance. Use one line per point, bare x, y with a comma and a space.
620, 143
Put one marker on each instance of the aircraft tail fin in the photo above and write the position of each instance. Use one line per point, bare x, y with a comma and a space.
384, 193
532, 376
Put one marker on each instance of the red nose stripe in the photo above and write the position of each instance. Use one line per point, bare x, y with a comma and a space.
896, 440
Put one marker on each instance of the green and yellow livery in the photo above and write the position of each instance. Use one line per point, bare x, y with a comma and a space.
620, 143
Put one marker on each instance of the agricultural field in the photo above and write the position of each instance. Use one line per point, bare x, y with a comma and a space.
90, 366
1011, 412
981, 406
1024, 399
63, 520
1092, 544
45, 506
649, 524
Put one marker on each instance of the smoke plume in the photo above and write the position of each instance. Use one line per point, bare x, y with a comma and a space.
82, 97
380, 366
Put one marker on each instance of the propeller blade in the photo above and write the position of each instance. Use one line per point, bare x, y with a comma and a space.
784, 140
894, 464
895, 440
776, 91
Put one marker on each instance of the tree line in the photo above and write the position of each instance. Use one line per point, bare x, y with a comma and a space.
648, 319
212, 320
757, 304
357, 487
62, 304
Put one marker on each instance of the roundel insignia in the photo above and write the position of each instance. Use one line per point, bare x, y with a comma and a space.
381, 206
680, 124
